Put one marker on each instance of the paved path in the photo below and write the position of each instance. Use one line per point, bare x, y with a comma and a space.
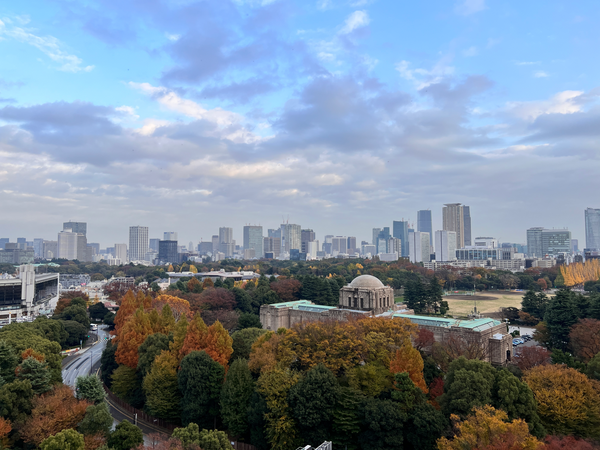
82, 363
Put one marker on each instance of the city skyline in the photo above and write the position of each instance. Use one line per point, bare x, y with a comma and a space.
332, 113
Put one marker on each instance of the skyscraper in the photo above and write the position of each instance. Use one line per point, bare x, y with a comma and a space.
351, 243
226, 244
169, 236
534, 242
138, 243
306, 236
453, 220
592, 229
67, 245
290, 237
76, 227
424, 223
419, 249
542, 242
121, 252
253, 239
467, 225
339, 244
154, 244
400, 231
167, 252
445, 245
376, 232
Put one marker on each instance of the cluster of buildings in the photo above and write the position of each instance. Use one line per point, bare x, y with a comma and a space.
452, 246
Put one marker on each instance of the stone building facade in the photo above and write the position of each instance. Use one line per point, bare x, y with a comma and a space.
367, 293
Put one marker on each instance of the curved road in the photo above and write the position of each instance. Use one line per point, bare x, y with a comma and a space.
83, 363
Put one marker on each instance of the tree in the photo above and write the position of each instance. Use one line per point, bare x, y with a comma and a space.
90, 388
235, 397
200, 381
424, 339
408, 359
36, 372
530, 357
161, 388
312, 401
149, 350
97, 420
53, 329
559, 318
52, 413
249, 320
8, 362
488, 427
179, 335
567, 400
131, 336
567, 443
424, 426
382, 423
179, 306
98, 311
205, 439
195, 338
243, 301
125, 437
218, 344
585, 338
76, 313
76, 332
287, 289
242, 341
256, 421
593, 368
535, 304
218, 298
68, 439
127, 384
108, 363
15, 400
371, 379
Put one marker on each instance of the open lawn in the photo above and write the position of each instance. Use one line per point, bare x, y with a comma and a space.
486, 303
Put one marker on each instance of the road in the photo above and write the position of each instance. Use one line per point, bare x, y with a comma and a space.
82, 365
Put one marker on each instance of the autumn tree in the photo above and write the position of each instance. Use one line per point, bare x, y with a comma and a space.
567, 443
179, 335
150, 349
5, 428
287, 289
529, 357
487, 427
567, 400
179, 307
195, 338
218, 344
56, 411
161, 388
131, 336
408, 359
424, 339
585, 338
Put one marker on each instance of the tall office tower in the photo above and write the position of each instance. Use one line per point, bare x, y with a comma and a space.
21, 243
445, 245
191, 246
272, 245
76, 227
425, 224
290, 237
556, 241
169, 236
339, 245
121, 252
254, 239
274, 233
154, 244
454, 220
400, 231
38, 247
574, 245
167, 252
95, 248
467, 225
138, 243
215, 243
419, 248
375, 239
311, 249
394, 245
306, 236
67, 245
534, 242
226, 244
592, 229
3, 241
352, 243
205, 248
84, 253
50, 250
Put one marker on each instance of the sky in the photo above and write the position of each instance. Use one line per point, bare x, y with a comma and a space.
338, 115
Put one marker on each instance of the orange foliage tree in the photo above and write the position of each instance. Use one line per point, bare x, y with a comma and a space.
31, 353
567, 443
585, 338
408, 359
488, 428
530, 357
53, 412
567, 400
218, 344
130, 303
179, 306
133, 334
5, 428
195, 337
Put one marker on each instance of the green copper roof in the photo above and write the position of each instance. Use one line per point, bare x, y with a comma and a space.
473, 324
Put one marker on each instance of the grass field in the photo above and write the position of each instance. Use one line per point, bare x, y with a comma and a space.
491, 304
398, 299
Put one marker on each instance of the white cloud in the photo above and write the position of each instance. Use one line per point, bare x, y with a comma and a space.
527, 63
172, 37
471, 51
566, 102
48, 45
324, 4
423, 77
357, 19
128, 111
468, 7
540, 74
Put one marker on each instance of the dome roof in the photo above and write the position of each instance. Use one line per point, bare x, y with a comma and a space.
366, 281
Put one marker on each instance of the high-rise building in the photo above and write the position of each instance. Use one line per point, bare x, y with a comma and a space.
290, 237
154, 244
67, 245
339, 244
226, 243
306, 236
467, 225
76, 227
204, 248
167, 252
50, 250
352, 243
170, 236
394, 246
272, 245
95, 248
275, 233
376, 232
424, 223
400, 231
3, 241
38, 247
419, 248
552, 242
138, 243
534, 242
592, 229
121, 252
254, 239
453, 220
445, 245
215, 244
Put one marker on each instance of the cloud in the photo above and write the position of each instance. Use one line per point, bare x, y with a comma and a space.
356, 20
468, 7
173, 37
425, 77
471, 51
527, 63
49, 45
566, 102
540, 74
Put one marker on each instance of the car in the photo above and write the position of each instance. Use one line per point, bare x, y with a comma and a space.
516, 342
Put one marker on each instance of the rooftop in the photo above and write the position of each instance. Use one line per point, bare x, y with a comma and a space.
474, 324
366, 281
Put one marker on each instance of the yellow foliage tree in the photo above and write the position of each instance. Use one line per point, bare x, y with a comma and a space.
170, 269
579, 273
193, 269
488, 427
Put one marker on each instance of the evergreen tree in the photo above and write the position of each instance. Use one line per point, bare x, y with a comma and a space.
249, 320
37, 373
68, 439
405, 393
97, 420
583, 305
559, 318
235, 397
424, 427
243, 301
312, 401
161, 387
125, 437
108, 363
15, 400
200, 380
346, 421
256, 421
8, 362
90, 388
152, 347
434, 295
382, 423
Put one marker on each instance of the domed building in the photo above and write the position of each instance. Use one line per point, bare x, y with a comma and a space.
367, 293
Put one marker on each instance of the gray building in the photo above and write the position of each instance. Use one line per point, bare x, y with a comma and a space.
454, 220
534, 242
138, 243
76, 227
226, 243
50, 249
170, 236
445, 245
400, 231
3, 241
467, 224
204, 248
592, 229
424, 223
552, 242
419, 248
291, 235
306, 236
483, 253
254, 239
12, 254
167, 252
154, 244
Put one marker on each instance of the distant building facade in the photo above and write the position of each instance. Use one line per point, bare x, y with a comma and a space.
424, 223
138, 243
592, 229
253, 239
